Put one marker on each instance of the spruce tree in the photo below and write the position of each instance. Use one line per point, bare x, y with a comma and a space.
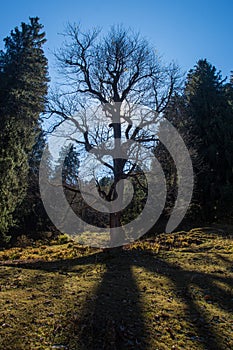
212, 120
23, 83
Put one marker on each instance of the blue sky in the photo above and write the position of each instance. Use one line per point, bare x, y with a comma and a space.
181, 30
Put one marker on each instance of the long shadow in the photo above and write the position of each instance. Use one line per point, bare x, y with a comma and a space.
114, 318
182, 279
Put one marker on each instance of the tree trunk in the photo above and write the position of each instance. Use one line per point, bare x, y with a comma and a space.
117, 235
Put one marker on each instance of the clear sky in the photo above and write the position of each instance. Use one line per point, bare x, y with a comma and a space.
181, 30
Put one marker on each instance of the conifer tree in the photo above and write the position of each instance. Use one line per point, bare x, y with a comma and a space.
23, 83
212, 120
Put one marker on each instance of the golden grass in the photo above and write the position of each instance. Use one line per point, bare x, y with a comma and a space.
171, 292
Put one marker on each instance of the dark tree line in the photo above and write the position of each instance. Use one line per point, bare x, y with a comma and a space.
113, 70
203, 114
209, 103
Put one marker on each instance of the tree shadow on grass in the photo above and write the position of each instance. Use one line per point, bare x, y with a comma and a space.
182, 280
113, 317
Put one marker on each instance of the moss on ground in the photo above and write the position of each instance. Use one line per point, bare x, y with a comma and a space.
171, 292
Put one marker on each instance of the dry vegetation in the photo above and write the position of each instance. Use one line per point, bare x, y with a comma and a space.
172, 292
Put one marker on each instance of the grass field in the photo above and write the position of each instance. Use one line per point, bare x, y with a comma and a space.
172, 292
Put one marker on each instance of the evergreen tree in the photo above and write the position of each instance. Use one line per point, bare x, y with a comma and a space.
212, 120
68, 163
177, 114
71, 167
23, 83
65, 173
31, 215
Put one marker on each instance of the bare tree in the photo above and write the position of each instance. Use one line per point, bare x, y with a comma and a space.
115, 72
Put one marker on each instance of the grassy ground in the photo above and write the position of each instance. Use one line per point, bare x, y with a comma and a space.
174, 292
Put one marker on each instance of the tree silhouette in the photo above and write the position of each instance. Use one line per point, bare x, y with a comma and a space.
114, 72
